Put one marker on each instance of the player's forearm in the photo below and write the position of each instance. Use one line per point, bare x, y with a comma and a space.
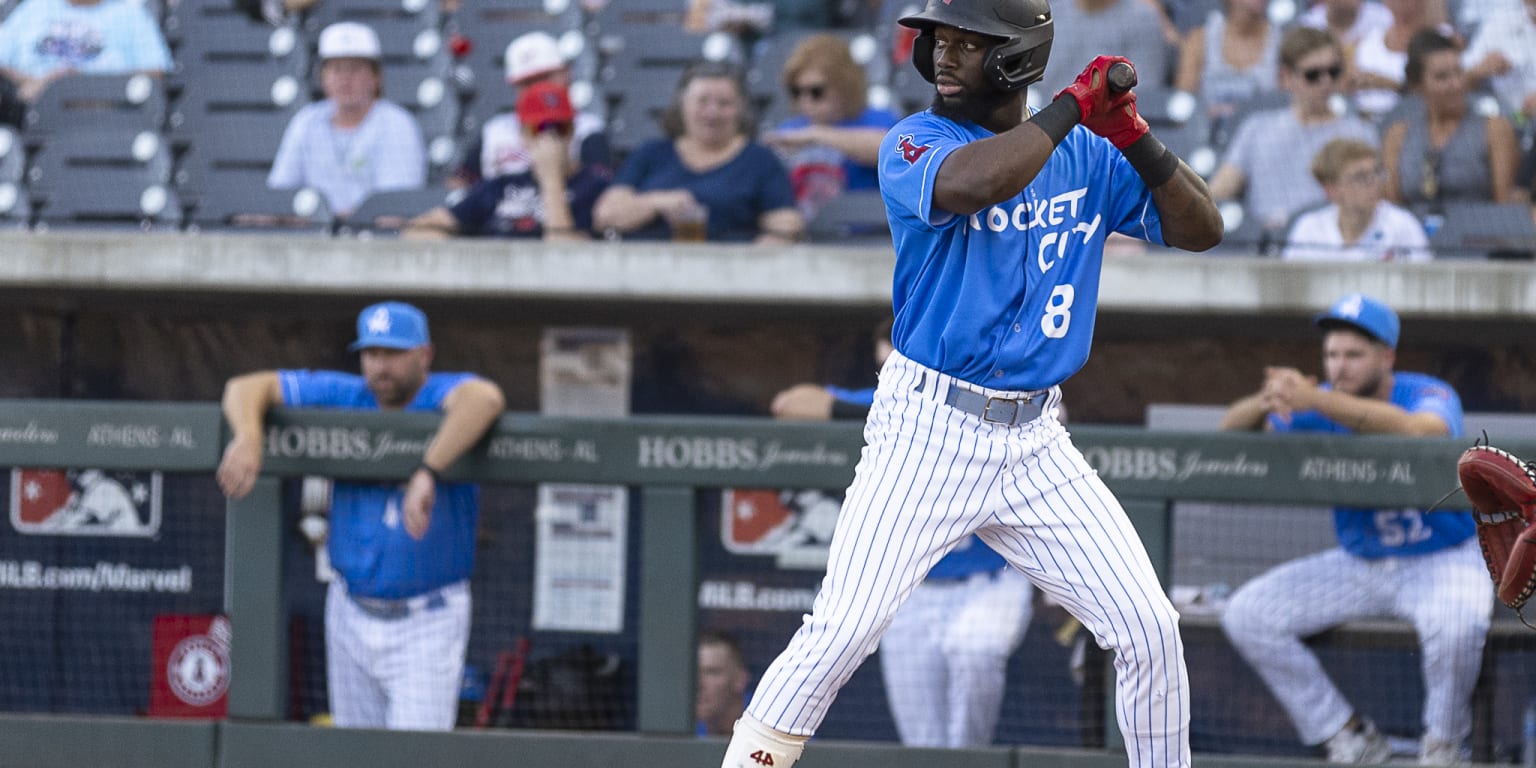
1189, 215
247, 399
468, 412
1245, 414
992, 170
1365, 415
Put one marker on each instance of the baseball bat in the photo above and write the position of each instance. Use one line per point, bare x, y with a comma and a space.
1121, 77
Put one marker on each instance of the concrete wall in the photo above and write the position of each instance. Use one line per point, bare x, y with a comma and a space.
717, 329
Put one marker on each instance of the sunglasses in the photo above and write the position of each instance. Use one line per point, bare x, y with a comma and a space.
816, 92
1315, 74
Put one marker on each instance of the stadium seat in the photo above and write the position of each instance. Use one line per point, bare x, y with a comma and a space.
387, 212
104, 178
1483, 230
13, 156
421, 14
238, 199
245, 142
856, 217
125, 104
216, 95
15, 205
218, 40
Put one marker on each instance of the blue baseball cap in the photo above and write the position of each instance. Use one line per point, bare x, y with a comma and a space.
1362, 313
392, 325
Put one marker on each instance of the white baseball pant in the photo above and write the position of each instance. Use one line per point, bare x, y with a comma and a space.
1445, 594
944, 657
403, 673
929, 476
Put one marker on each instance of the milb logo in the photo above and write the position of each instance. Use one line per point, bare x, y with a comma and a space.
85, 502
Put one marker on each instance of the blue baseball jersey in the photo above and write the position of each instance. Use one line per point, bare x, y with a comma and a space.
1375, 533
368, 544
1006, 297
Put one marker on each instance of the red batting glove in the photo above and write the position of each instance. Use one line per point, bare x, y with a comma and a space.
1120, 122
1090, 90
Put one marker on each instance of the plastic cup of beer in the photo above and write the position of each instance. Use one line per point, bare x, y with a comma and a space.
690, 224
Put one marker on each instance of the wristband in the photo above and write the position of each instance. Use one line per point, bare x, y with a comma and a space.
1058, 118
436, 477
1155, 162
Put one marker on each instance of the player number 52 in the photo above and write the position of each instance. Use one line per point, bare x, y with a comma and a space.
1058, 312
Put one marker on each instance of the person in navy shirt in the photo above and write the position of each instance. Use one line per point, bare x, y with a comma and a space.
710, 165
552, 199
397, 618
1421, 567
998, 218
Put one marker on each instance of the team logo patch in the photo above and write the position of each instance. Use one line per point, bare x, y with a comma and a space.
198, 668
85, 502
910, 152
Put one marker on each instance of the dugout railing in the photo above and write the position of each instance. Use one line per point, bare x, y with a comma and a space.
666, 459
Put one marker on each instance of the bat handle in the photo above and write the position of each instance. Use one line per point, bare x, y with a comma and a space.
1121, 77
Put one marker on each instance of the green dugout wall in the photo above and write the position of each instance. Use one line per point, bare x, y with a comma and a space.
666, 458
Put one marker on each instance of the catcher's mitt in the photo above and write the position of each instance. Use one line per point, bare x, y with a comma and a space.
1502, 488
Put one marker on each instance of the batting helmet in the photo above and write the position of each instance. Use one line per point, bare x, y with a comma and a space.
1023, 29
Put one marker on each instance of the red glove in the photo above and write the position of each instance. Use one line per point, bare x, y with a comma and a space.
1119, 123
1111, 115
1090, 89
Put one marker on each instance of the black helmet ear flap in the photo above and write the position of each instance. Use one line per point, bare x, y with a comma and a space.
922, 53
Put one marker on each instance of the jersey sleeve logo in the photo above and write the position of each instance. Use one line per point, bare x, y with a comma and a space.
910, 152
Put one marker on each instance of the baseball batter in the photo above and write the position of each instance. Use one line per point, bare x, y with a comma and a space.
999, 224
1424, 568
397, 621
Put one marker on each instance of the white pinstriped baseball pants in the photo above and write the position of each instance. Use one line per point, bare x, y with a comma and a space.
929, 476
400, 674
1445, 594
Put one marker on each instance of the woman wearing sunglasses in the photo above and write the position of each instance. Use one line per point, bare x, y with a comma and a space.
833, 140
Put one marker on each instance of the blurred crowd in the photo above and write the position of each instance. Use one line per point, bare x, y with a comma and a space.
727, 121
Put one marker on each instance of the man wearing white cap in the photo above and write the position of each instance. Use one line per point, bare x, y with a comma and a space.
502, 147
353, 143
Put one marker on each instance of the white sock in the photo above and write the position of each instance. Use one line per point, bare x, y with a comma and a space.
754, 745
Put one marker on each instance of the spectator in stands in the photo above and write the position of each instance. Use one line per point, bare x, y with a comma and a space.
1357, 224
832, 144
709, 166
1230, 59
1503, 52
1086, 28
1444, 151
354, 142
1402, 563
43, 40
500, 148
1266, 162
552, 199
1350, 21
722, 685
397, 617
1376, 69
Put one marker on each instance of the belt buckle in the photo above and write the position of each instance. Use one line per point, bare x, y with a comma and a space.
986, 411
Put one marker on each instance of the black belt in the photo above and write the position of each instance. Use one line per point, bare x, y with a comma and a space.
1007, 411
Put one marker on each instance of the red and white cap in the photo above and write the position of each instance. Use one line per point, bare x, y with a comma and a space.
531, 55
